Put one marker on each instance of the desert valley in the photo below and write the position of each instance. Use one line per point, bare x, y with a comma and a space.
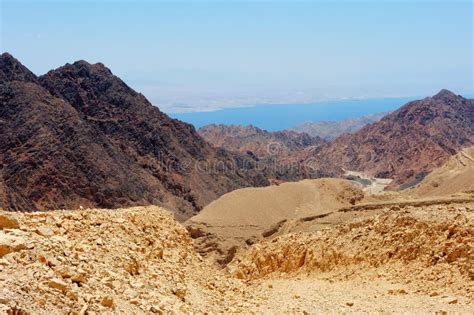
108, 205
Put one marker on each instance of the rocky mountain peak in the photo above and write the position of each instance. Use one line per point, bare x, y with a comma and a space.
82, 69
445, 95
408, 143
82, 137
92, 68
12, 70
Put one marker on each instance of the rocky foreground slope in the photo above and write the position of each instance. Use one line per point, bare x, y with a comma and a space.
417, 242
130, 260
406, 251
140, 260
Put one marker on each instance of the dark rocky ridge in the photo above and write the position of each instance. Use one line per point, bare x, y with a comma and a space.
404, 145
329, 130
408, 142
282, 155
80, 136
257, 141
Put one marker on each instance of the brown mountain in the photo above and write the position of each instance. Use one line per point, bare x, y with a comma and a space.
409, 142
260, 142
80, 136
282, 155
329, 130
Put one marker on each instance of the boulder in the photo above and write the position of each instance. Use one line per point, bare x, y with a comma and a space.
8, 222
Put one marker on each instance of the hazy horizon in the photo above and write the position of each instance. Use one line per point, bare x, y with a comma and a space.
200, 56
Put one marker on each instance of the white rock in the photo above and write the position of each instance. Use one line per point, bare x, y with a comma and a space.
11, 243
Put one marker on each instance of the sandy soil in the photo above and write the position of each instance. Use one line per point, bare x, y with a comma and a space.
268, 205
456, 177
140, 260
316, 296
371, 185
238, 219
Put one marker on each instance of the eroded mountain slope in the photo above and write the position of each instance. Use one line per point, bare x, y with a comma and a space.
79, 136
260, 142
407, 143
329, 130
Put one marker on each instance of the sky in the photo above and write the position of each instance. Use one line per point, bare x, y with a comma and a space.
204, 55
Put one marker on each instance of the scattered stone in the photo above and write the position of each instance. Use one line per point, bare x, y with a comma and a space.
72, 295
79, 278
107, 301
58, 285
7, 222
10, 243
132, 268
135, 301
44, 231
130, 293
180, 293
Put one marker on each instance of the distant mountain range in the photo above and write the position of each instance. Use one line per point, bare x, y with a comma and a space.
407, 143
79, 136
330, 130
260, 142
280, 154
404, 145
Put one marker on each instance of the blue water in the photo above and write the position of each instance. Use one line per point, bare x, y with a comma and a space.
283, 116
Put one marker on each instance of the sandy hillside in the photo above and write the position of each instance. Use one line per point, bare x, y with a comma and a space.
454, 177
267, 205
239, 218
140, 260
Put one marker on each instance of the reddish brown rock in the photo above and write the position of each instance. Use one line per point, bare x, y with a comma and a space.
79, 136
260, 142
282, 155
409, 142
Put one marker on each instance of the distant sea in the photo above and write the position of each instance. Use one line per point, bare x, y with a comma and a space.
284, 116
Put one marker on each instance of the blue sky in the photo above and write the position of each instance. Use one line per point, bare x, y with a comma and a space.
194, 55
